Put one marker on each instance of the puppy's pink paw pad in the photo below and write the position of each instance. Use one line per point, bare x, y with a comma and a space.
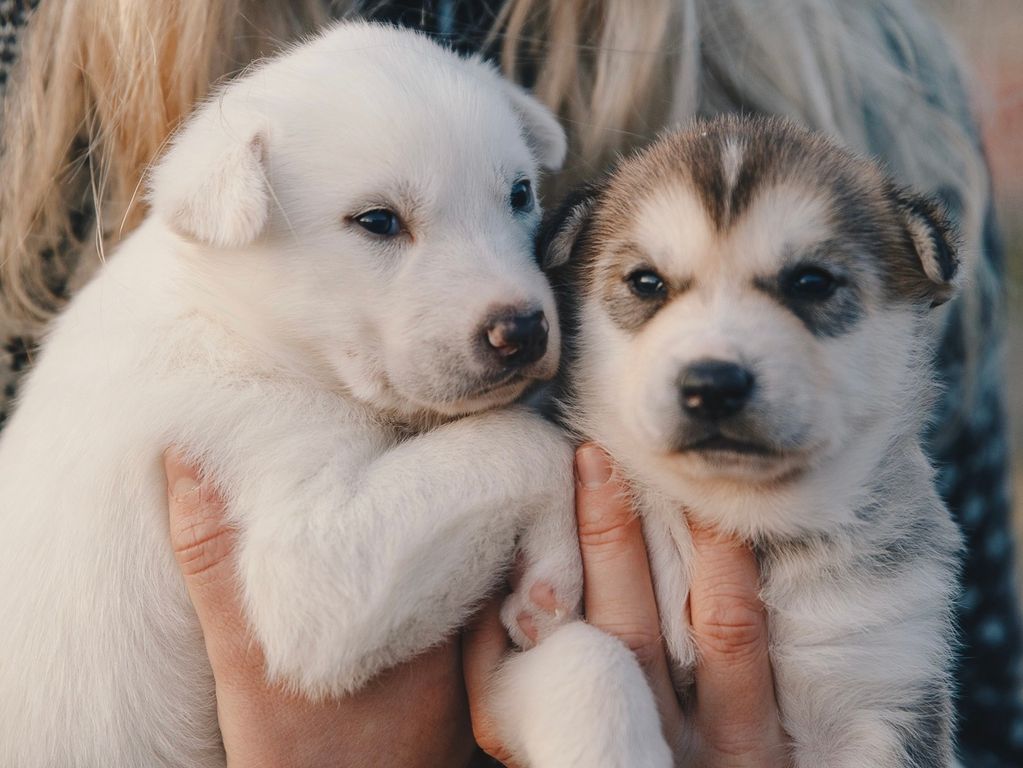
543, 597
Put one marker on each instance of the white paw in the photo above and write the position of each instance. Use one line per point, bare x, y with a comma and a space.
548, 596
580, 698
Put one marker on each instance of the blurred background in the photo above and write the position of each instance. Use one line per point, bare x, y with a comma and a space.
990, 33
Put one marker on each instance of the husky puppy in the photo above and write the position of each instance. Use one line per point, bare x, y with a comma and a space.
335, 289
752, 318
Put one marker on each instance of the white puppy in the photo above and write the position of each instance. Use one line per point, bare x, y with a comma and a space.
338, 263
751, 316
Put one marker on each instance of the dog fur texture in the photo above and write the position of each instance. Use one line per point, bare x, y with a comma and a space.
759, 248
335, 383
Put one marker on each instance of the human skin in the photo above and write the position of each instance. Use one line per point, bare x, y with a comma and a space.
418, 714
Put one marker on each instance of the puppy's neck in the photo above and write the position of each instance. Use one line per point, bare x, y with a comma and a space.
409, 423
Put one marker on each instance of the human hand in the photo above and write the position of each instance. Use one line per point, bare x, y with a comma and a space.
412, 716
735, 721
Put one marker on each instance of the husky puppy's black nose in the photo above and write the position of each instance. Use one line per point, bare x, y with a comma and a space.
713, 390
514, 340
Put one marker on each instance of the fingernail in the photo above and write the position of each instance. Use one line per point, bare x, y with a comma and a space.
182, 482
592, 467
184, 488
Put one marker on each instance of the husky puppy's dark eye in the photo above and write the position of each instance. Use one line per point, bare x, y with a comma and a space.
521, 197
810, 283
380, 221
646, 284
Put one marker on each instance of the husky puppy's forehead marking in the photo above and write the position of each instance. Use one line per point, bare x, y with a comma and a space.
768, 208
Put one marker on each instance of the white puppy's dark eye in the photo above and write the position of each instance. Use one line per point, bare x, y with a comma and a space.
646, 284
811, 283
380, 221
521, 197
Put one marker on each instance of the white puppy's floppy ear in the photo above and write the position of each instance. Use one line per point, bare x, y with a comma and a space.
211, 187
544, 133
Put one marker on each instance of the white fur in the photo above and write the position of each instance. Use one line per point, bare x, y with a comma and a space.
316, 373
589, 683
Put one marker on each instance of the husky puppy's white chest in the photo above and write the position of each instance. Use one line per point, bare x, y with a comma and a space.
751, 316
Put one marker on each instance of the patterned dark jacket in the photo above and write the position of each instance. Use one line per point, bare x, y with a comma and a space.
968, 442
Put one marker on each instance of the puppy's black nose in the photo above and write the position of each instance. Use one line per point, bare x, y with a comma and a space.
713, 390
515, 340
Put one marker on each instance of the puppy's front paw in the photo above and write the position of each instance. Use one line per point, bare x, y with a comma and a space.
548, 596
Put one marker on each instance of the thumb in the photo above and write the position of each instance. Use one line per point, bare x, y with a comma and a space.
203, 546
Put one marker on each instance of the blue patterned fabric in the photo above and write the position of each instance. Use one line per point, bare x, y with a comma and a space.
974, 475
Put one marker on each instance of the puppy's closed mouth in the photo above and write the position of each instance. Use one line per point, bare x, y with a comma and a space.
485, 395
512, 379
507, 381
515, 383
719, 443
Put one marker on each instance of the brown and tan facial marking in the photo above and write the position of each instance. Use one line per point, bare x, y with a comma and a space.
826, 287
703, 160
633, 289
879, 244
907, 238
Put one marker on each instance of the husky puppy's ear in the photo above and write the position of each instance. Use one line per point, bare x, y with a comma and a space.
544, 133
936, 244
562, 228
211, 186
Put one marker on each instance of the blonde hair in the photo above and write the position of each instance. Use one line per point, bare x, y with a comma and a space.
880, 77
606, 68
118, 75
100, 86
